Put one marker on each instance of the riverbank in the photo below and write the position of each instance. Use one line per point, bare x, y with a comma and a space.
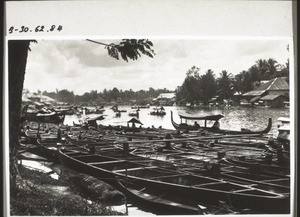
39, 194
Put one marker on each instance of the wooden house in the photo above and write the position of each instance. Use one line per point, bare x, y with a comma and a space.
271, 93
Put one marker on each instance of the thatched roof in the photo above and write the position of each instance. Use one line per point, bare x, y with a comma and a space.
134, 120
270, 97
278, 83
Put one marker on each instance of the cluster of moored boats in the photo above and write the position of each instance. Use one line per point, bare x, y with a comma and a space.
190, 170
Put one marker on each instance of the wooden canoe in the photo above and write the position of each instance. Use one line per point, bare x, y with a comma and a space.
161, 202
196, 187
173, 161
187, 127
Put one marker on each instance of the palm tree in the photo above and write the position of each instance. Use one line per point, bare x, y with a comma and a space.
225, 85
262, 68
272, 68
208, 85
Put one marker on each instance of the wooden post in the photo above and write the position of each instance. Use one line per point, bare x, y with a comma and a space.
221, 154
38, 132
168, 143
126, 186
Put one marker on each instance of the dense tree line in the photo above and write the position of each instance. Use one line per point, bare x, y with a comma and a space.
107, 96
201, 88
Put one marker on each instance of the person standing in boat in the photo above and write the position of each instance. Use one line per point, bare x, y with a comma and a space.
196, 124
216, 125
59, 132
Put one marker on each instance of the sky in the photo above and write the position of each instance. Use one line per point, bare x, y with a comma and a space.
81, 66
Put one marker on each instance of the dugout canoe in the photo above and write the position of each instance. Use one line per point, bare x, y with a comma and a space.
196, 187
187, 127
161, 202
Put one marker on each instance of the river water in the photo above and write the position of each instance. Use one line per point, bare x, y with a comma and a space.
234, 118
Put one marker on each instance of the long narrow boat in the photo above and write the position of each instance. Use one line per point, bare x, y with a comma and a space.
284, 129
53, 117
261, 166
275, 183
185, 126
49, 152
196, 187
119, 128
161, 202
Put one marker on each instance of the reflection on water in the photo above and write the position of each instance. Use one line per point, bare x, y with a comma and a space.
234, 118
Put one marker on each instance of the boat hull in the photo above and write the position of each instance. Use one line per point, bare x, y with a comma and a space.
201, 189
187, 127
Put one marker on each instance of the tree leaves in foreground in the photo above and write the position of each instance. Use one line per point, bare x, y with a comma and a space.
130, 49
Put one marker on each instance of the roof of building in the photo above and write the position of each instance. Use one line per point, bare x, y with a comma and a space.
166, 96
43, 98
270, 97
278, 83
46, 98
254, 93
254, 99
134, 120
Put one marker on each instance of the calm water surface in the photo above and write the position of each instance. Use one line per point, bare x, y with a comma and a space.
234, 118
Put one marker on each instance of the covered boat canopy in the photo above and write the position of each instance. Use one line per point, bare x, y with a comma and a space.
92, 121
134, 120
46, 114
52, 117
96, 118
209, 117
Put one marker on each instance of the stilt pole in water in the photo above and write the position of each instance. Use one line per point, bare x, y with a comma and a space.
126, 185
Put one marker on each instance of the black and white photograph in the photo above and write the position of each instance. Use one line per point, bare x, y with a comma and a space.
148, 124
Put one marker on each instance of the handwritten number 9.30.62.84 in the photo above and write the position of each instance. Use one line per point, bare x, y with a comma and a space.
24, 29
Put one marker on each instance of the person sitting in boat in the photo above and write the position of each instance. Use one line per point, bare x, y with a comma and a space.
216, 125
59, 133
92, 149
196, 124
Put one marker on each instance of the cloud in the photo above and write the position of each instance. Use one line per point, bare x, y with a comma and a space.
81, 66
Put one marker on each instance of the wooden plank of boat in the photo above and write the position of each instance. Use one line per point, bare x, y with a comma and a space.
208, 117
197, 167
107, 162
183, 184
191, 138
262, 167
50, 153
133, 169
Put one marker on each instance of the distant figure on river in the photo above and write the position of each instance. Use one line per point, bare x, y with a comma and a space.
196, 124
216, 125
